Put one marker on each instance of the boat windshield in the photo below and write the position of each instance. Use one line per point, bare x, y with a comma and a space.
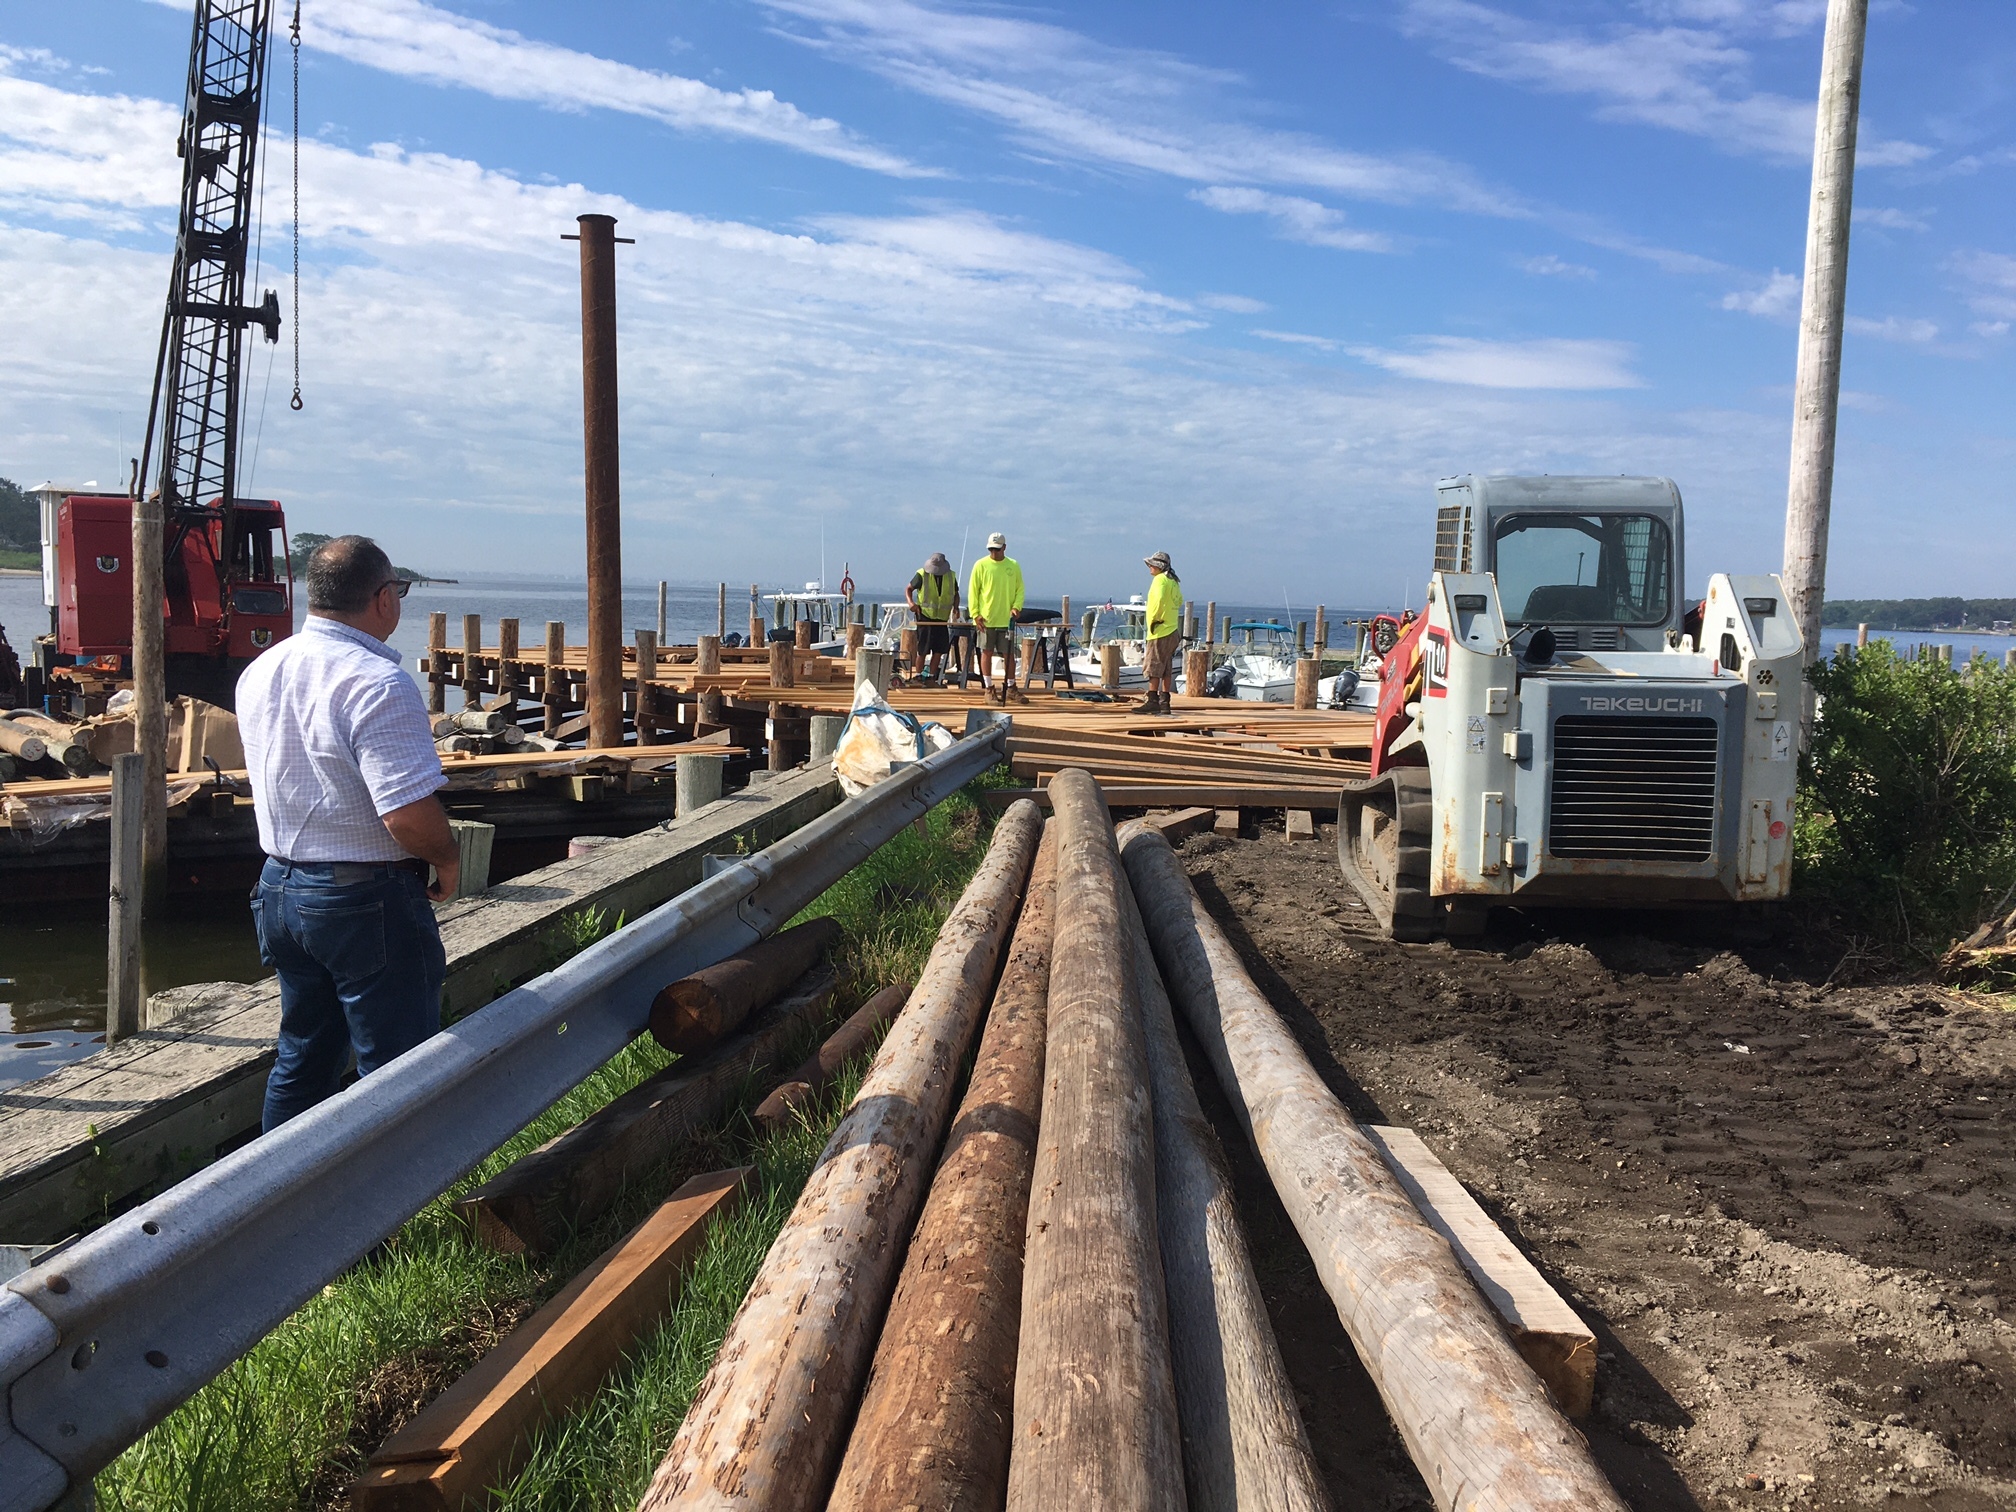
1601, 569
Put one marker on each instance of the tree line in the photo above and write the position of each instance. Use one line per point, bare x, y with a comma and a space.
1919, 613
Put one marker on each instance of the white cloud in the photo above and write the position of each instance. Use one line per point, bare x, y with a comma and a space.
1236, 304
1550, 363
1890, 328
1989, 282
1296, 338
1777, 298
1990, 328
1693, 79
1550, 266
1295, 219
1889, 219
420, 41
1063, 95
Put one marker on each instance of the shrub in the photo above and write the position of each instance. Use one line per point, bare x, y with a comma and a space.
1908, 815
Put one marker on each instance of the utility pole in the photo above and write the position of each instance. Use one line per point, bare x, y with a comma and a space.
598, 240
1817, 388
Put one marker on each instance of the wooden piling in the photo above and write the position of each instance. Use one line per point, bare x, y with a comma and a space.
437, 674
907, 650
707, 656
1301, 637
647, 673
780, 1108
1322, 633
124, 991
1306, 670
702, 1008
934, 1422
507, 654
801, 634
1475, 1418
1210, 621
150, 686
1196, 671
1861, 636
604, 476
663, 638
553, 689
756, 635
1095, 1404
1109, 665
783, 669
780, 756
472, 671
721, 613
1244, 1442
856, 634
768, 1423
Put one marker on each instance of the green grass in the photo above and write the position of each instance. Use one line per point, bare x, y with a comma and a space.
290, 1424
21, 560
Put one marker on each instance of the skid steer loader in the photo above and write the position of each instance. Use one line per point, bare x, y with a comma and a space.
1559, 727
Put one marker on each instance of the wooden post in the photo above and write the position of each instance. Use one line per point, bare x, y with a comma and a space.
801, 634
768, 1424
721, 613
876, 667
1306, 670
647, 674
2009, 658
1322, 633
604, 475
1817, 385
472, 671
124, 990
1474, 1416
707, 656
1301, 637
663, 639
780, 760
150, 694
553, 695
507, 673
826, 730
907, 650
1093, 1309
779, 1109
756, 635
1210, 621
1064, 615
933, 1426
856, 634
437, 676
1244, 1443
782, 669
1196, 672
1861, 635
706, 1006
713, 712
1109, 665
696, 781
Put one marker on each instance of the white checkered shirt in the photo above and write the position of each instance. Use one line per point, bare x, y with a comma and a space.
335, 736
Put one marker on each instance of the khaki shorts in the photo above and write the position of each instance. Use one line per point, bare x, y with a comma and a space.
1160, 660
996, 642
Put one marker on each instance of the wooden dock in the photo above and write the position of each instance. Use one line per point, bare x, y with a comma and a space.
87, 1140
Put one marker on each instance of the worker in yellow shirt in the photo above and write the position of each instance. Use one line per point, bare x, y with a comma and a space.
993, 598
1164, 631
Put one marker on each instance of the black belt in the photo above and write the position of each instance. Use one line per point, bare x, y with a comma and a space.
359, 871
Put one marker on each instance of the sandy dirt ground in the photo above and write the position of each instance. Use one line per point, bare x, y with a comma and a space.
1785, 1207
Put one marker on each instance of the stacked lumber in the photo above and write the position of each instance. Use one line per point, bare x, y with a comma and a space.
1202, 757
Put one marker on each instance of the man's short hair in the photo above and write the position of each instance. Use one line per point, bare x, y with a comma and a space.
344, 574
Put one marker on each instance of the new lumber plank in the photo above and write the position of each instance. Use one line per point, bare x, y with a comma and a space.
536, 1202
1095, 1400
1226, 824
934, 1422
1555, 1341
1186, 795
1477, 1421
476, 1434
768, 1424
1244, 1443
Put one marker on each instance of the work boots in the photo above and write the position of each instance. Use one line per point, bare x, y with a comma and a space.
1017, 694
998, 694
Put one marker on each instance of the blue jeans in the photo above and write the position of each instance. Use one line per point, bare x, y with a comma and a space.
360, 965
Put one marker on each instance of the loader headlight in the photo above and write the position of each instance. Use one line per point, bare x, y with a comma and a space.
1762, 608
1469, 603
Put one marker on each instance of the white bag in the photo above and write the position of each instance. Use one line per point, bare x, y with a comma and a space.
878, 739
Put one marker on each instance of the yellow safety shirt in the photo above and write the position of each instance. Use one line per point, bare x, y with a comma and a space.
994, 592
1165, 606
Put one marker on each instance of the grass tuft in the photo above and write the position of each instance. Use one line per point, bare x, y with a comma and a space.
291, 1424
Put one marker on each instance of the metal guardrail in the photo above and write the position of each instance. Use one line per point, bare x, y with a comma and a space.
100, 1342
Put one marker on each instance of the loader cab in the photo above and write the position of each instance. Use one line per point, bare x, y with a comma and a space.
1596, 560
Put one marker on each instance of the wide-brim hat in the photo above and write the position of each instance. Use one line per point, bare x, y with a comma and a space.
997, 539
1159, 559
937, 563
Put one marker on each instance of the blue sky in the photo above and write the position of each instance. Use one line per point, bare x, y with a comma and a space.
1239, 282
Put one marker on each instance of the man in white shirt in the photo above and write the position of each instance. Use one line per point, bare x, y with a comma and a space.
340, 753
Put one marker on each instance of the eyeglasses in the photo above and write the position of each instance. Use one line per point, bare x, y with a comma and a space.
399, 586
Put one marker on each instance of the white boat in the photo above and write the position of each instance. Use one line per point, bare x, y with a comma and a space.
1130, 632
1263, 667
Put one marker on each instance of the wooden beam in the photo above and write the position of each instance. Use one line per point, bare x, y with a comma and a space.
1244, 1443
934, 1423
1226, 825
697, 1010
1301, 824
1185, 795
1181, 824
1555, 1341
779, 1109
477, 1433
534, 1204
1475, 1418
1095, 1402
769, 1422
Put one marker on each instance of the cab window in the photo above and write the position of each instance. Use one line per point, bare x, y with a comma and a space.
1573, 569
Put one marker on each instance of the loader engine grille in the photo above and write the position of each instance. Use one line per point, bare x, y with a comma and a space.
1630, 789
